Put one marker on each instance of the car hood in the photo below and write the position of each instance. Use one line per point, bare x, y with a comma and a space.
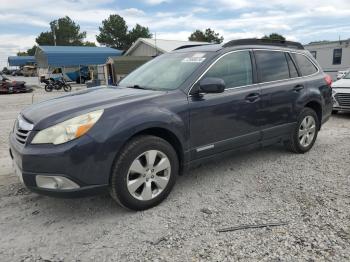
65, 107
342, 83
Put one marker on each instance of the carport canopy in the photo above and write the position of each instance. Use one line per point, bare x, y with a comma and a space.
63, 56
20, 60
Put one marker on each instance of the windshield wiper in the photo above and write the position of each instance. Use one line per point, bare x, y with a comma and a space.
136, 87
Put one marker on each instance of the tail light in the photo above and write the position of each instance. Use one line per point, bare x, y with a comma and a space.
328, 80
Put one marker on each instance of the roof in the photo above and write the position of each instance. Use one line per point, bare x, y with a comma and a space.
20, 60
327, 44
162, 45
73, 55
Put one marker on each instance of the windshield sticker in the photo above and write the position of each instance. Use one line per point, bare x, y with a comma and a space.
196, 58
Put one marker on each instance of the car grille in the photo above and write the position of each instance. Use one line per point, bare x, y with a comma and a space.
343, 99
22, 130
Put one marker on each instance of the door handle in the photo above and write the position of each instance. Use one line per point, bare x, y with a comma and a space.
298, 88
252, 97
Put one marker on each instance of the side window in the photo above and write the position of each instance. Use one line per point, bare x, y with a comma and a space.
57, 70
235, 69
272, 65
305, 65
337, 54
292, 69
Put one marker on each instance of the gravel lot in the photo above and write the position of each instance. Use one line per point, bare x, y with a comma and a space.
309, 192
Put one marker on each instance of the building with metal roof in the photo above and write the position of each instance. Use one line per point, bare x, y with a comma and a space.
154, 47
65, 56
333, 56
118, 67
21, 60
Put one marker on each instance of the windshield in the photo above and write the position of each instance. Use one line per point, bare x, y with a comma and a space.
347, 76
165, 72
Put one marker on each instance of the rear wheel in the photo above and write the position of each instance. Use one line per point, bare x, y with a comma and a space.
303, 136
334, 112
144, 173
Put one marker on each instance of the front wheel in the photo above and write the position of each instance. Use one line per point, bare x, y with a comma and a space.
48, 88
67, 88
144, 173
304, 135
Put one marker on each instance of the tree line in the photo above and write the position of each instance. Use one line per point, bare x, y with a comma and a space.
113, 32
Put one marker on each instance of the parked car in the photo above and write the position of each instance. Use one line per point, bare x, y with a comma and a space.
341, 94
17, 72
341, 74
70, 74
29, 71
9, 87
176, 111
5, 71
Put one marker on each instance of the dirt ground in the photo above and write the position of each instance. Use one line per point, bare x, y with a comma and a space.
310, 193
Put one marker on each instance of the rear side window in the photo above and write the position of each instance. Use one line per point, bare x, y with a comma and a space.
235, 69
272, 65
292, 69
306, 67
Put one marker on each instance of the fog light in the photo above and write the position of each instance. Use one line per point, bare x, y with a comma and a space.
55, 182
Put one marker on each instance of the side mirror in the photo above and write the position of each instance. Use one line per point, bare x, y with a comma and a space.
211, 85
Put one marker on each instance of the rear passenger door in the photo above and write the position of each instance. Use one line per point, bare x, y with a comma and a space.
281, 87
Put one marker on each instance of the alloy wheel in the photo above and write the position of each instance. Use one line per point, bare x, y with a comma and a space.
148, 175
307, 131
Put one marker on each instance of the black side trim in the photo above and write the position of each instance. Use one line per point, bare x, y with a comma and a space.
276, 131
227, 144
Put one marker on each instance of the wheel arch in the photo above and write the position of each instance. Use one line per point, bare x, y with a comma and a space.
164, 133
317, 107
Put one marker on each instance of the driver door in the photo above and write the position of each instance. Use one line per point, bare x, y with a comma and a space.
224, 121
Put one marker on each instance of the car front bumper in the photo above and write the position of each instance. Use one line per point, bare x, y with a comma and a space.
75, 161
341, 99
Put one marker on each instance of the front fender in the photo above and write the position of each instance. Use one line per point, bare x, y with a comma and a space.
115, 129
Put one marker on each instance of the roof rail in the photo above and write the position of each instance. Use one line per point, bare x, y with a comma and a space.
188, 46
254, 41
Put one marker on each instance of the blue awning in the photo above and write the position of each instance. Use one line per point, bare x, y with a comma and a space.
60, 56
20, 60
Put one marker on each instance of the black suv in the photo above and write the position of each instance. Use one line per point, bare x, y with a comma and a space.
175, 111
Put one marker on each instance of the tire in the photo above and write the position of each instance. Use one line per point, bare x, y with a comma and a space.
67, 88
135, 152
48, 88
334, 112
83, 80
295, 143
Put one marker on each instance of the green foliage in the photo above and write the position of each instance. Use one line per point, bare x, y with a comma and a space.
65, 31
22, 53
274, 36
114, 33
30, 52
208, 35
137, 32
87, 43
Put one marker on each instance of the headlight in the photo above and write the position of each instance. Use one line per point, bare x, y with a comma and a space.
67, 130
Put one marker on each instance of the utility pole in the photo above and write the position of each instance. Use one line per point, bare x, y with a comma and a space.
155, 42
54, 33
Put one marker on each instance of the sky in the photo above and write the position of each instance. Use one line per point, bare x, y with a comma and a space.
21, 21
